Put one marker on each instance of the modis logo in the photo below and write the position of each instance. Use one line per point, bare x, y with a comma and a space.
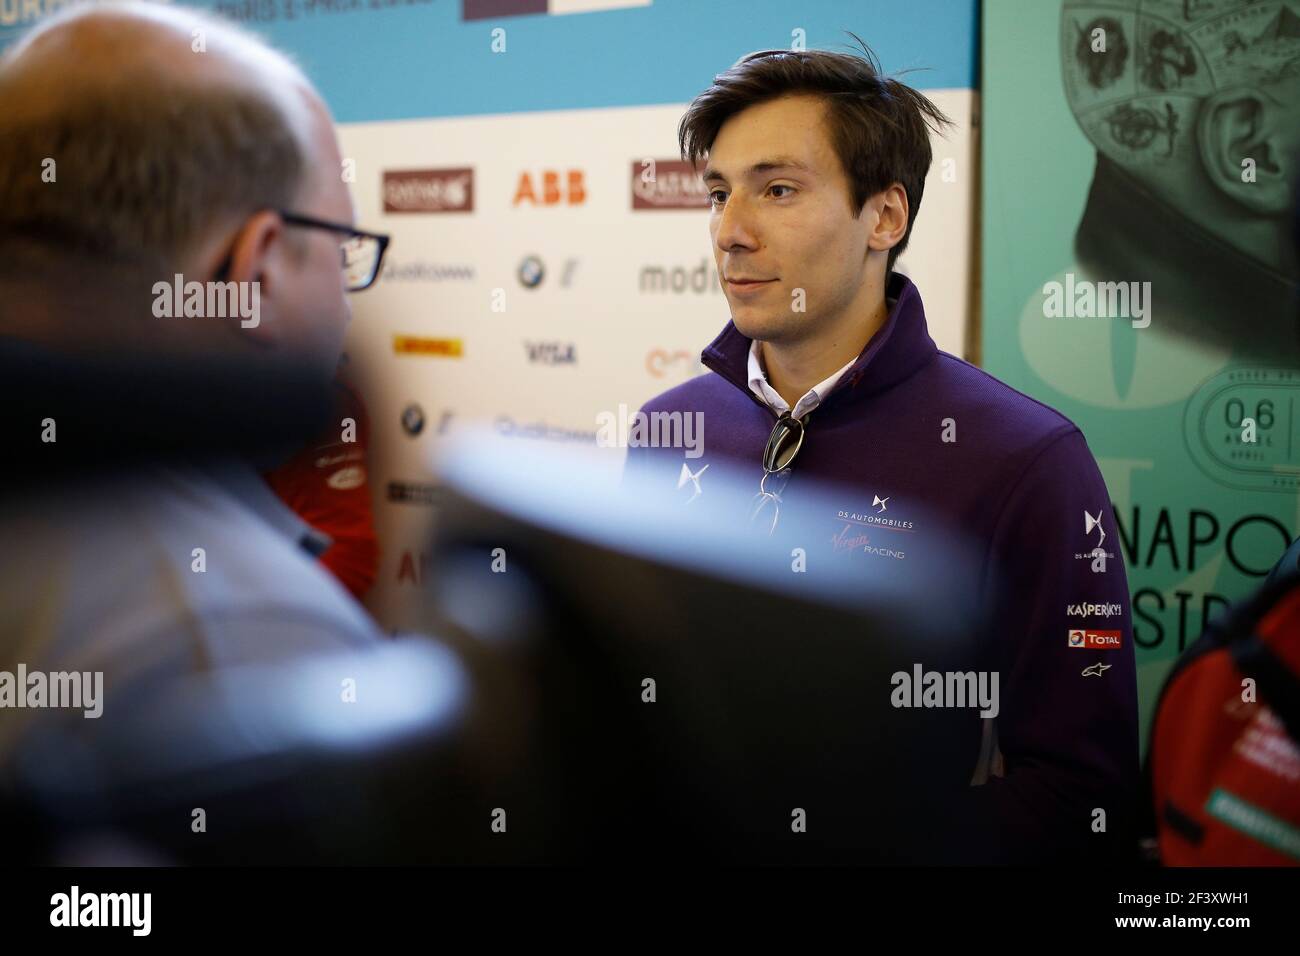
414, 345
1095, 640
667, 184
549, 188
429, 190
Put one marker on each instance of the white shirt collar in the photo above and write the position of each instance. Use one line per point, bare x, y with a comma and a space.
759, 385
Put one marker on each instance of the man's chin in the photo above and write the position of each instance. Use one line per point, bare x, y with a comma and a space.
755, 325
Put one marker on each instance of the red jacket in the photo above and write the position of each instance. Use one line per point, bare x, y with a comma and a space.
328, 486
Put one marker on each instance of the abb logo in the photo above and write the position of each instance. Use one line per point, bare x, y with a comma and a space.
1096, 640
548, 189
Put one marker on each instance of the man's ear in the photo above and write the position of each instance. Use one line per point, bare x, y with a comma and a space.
890, 214
1243, 148
255, 256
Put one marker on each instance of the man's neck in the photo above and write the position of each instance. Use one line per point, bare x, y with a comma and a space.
792, 368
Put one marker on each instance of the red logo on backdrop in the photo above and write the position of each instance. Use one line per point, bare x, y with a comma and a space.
667, 184
661, 362
412, 568
1096, 640
429, 190
550, 188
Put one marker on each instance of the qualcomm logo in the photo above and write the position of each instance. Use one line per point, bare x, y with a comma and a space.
693, 478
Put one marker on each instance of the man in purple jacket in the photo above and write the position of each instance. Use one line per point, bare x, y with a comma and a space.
826, 372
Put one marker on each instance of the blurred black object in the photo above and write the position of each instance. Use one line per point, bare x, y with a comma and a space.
264, 765
524, 734
112, 413
772, 688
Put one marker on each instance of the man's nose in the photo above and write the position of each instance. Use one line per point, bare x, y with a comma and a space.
736, 229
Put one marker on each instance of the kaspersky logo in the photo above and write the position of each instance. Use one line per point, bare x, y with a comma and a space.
1091, 609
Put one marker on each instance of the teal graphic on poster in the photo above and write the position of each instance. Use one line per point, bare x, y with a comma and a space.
1139, 276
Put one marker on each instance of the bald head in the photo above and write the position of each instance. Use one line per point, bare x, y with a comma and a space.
123, 47
128, 125
139, 140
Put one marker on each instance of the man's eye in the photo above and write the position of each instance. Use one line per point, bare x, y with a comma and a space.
789, 189
713, 196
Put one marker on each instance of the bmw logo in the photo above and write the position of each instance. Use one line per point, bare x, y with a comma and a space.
413, 420
531, 272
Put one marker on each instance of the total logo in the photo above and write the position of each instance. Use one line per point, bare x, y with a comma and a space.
548, 188
1095, 640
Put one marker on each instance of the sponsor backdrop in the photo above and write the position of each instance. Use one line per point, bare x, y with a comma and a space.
550, 257
1094, 149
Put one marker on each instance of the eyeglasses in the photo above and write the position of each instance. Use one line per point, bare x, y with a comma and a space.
783, 445
362, 252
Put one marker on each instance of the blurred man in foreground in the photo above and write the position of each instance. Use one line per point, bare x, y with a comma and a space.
170, 191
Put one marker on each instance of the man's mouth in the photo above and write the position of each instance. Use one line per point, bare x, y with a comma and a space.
747, 283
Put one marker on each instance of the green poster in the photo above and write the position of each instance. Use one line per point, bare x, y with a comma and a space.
1139, 276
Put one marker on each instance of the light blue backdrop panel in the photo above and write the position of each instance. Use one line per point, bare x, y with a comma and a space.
373, 61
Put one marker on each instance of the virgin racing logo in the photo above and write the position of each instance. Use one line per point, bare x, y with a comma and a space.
850, 538
847, 540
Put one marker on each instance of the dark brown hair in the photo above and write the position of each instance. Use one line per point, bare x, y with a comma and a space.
879, 127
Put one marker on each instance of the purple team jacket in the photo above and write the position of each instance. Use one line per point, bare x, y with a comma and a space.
918, 438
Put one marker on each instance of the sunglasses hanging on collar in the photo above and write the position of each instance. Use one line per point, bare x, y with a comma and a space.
783, 446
